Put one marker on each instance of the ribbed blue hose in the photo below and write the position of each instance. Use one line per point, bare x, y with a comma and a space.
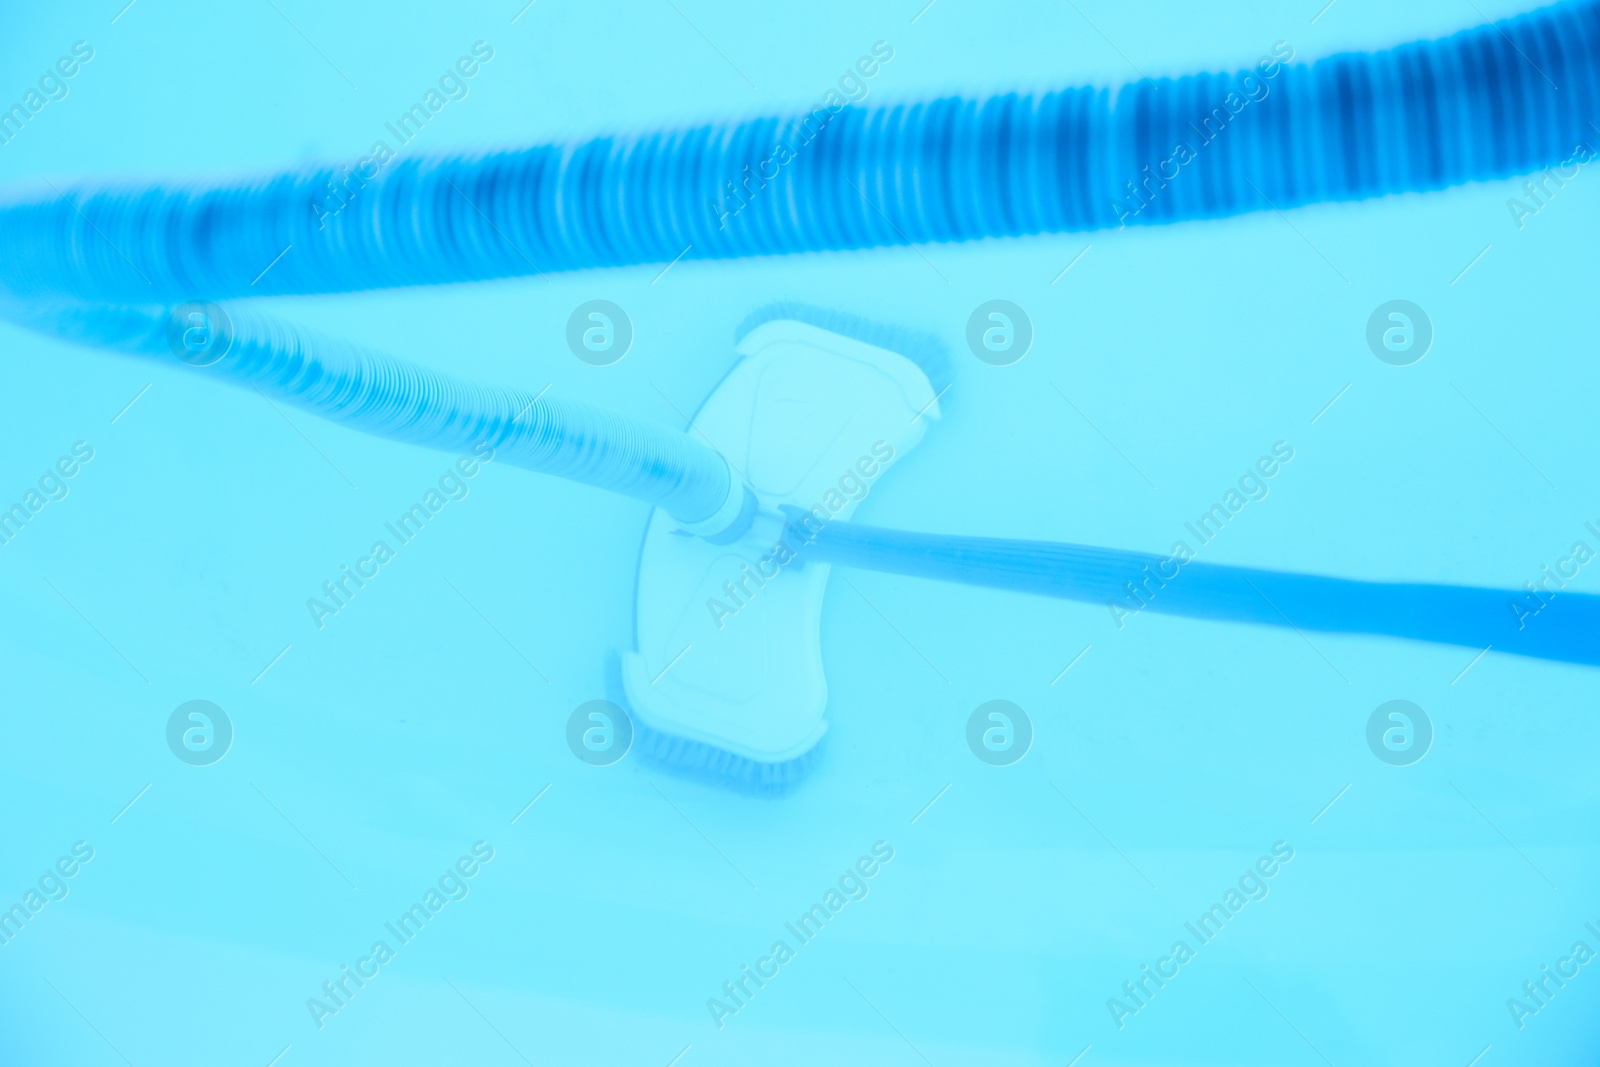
1499, 100
391, 398
1564, 627
1496, 100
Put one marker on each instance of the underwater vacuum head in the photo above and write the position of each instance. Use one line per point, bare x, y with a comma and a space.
726, 681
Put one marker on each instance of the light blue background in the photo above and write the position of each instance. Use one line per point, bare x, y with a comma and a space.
409, 728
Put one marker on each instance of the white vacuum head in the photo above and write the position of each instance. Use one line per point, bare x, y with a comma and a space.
727, 679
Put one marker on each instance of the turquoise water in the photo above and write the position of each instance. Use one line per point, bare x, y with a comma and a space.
424, 725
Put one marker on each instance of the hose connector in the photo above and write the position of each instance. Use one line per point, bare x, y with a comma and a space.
730, 521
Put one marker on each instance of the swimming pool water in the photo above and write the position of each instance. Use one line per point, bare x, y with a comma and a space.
410, 750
